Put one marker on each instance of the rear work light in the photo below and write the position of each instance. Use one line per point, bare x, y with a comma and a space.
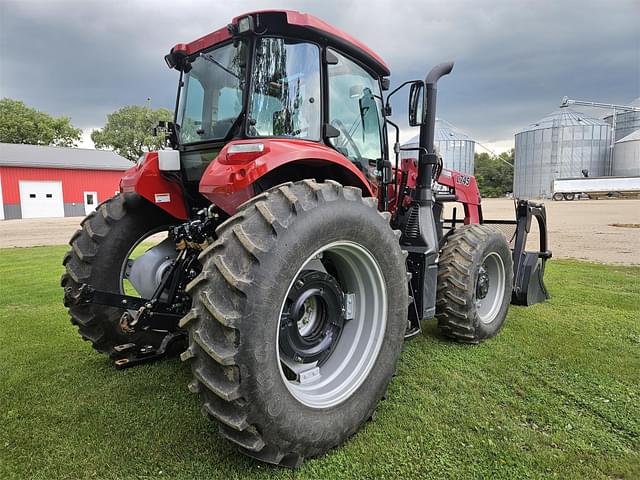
245, 25
245, 152
245, 148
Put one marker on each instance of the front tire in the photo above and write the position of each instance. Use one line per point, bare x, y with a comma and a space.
475, 280
294, 236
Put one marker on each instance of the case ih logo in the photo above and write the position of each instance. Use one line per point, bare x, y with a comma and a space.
464, 180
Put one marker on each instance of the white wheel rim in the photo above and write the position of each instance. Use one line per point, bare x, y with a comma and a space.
489, 306
359, 344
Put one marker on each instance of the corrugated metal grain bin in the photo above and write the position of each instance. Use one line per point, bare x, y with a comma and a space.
561, 145
626, 156
456, 148
626, 122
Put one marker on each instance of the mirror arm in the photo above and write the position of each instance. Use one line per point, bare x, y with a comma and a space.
396, 152
395, 90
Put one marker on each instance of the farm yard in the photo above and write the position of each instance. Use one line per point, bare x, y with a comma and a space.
294, 262
556, 394
582, 229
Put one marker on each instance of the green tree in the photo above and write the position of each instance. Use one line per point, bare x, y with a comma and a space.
22, 124
128, 131
494, 175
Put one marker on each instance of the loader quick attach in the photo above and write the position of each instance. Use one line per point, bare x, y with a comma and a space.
276, 246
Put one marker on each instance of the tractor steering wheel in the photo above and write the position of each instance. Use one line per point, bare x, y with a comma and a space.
349, 139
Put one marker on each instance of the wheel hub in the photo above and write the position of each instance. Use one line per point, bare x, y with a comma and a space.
332, 324
490, 287
313, 318
146, 272
482, 286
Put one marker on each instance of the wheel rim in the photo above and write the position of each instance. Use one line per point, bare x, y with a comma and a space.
156, 239
326, 351
490, 283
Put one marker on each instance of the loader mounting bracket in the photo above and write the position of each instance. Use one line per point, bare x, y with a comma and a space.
528, 266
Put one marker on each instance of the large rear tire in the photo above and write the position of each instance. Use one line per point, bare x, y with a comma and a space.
475, 280
256, 325
98, 252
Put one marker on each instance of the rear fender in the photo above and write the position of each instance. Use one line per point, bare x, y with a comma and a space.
147, 180
229, 180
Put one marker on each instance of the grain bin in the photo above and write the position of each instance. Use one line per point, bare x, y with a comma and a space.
626, 156
626, 122
456, 148
561, 145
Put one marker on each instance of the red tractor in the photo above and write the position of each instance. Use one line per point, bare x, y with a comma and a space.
280, 250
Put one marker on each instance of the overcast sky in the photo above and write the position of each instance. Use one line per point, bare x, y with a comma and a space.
515, 60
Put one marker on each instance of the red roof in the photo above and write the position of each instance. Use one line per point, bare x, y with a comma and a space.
298, 19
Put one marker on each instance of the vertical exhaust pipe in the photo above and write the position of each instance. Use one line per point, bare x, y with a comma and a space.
420, 233
427, 130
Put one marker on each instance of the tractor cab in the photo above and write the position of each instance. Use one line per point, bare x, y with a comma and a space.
277, 75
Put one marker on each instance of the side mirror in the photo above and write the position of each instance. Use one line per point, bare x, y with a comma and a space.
416, 104
167, 130
159, 129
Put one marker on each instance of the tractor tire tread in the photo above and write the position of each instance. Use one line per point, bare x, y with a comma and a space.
215, 321
80, 268
456, 282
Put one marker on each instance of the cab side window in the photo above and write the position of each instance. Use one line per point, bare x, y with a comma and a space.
286, 90
355, 110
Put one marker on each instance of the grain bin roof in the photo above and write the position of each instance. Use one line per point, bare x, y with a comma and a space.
634, 136
444, 132
38, 156
564, 117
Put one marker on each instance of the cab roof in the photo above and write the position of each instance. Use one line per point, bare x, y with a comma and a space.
298, 25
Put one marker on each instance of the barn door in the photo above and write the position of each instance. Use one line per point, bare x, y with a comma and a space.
40, 199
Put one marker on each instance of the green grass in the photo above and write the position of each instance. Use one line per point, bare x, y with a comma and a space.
555, 394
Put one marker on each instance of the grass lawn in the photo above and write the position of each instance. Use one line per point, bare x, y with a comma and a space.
557, 393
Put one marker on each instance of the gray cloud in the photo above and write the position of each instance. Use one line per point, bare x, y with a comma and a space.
514, 59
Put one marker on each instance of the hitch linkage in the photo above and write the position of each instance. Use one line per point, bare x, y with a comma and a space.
162, 312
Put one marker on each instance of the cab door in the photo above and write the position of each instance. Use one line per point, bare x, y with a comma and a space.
355, 111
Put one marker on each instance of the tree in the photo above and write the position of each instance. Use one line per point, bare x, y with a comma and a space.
22, 124
494, 176
128, 131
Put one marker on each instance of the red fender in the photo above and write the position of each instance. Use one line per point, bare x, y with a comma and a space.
227, 181
147, 181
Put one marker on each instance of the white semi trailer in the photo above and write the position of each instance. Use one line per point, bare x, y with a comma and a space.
595, 187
